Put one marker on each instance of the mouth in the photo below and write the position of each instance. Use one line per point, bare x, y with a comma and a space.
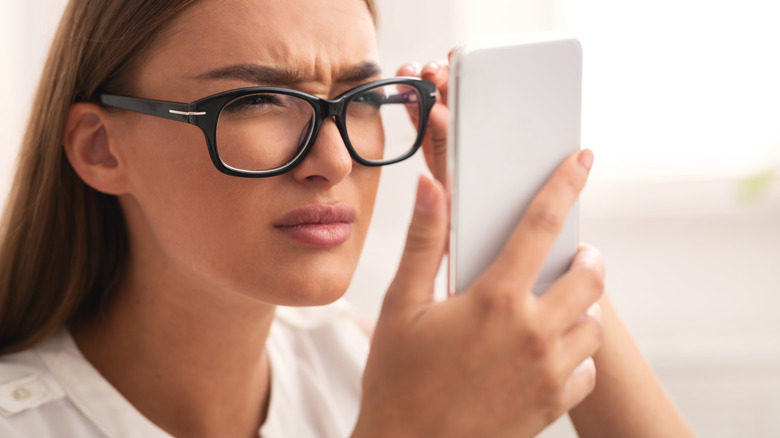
318, 225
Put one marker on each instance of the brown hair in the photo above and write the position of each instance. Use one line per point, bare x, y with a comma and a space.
63, 245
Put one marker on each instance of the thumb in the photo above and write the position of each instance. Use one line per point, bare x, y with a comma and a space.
414, 282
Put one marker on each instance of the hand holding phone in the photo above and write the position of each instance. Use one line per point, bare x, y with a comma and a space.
514, 117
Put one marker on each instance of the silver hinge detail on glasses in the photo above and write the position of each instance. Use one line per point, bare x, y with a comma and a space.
188, 113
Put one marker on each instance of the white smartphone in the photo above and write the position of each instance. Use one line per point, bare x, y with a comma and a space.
515, 109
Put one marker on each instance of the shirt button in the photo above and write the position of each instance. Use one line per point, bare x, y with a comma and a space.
21, 394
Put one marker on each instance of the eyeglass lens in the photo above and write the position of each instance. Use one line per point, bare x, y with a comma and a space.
265, 131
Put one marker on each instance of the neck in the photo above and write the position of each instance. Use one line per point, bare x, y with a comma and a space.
191, 360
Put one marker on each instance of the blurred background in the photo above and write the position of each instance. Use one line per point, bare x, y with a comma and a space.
681, 105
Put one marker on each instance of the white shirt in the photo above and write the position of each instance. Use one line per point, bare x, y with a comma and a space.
317, 357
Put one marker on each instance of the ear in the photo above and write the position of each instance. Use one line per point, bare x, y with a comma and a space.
91, 148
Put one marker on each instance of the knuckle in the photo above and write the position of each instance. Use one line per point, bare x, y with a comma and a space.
551, 378
417, 239
539, 342
593, 276
543, 218
439, 143
500, 302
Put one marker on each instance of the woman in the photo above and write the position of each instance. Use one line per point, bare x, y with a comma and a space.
143, 258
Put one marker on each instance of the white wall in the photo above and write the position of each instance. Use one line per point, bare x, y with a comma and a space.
693, 269
26, 30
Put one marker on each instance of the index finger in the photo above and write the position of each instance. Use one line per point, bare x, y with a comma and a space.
522, 257
438, 72
434, 145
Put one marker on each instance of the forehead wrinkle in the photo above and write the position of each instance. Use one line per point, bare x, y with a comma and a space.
290, 58
359, 72
284, 75
342, 71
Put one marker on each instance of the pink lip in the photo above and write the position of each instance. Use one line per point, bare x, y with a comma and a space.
318, 224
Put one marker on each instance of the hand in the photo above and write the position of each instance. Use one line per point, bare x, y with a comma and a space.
495, 361
435, 143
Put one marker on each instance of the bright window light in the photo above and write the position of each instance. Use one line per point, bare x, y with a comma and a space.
680, 89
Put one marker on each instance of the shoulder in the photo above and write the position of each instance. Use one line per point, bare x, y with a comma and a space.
32, 402
25, 383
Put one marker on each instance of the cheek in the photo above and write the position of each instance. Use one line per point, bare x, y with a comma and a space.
164, 155
195, 216
367, 182
176, 185
217, 230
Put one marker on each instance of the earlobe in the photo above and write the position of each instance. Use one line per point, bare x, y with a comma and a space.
91, 151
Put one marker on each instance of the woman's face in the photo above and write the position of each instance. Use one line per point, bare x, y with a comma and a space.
293, 239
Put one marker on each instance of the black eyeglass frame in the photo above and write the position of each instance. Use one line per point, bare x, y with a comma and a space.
205, 112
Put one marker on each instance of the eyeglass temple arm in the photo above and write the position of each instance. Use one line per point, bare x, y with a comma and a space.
182, 112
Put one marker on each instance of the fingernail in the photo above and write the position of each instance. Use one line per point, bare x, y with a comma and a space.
586, 159
594, 311
430, 70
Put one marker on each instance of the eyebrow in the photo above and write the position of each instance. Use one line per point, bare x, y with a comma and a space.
267, 75
360, 72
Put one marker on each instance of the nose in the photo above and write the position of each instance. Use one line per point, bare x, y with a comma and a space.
328, 161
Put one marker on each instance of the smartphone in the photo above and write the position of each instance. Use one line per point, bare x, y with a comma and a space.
515, 110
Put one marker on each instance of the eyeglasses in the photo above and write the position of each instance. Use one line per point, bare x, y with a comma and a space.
267, 131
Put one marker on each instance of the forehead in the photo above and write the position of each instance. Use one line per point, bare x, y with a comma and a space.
319, 39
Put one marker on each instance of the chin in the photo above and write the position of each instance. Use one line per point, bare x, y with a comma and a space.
299, 278
307, 290
309, 298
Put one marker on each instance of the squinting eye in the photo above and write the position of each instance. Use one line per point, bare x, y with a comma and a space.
373, 98
253, 102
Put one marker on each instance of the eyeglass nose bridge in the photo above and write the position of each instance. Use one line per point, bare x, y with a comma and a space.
331, 108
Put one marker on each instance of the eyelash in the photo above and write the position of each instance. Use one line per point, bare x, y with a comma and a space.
248, 103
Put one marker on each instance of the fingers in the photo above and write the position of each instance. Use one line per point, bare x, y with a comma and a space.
580, 384
577, 348
409, 69
584, 338
579, 288
438, 72
414, 282
576, 291
435, 143
436, 149
523, 255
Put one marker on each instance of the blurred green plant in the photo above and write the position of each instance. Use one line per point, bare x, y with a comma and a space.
754, 186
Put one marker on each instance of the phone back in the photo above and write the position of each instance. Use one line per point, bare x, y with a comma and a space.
515, 109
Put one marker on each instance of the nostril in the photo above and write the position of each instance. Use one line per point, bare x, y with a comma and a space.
317, 179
